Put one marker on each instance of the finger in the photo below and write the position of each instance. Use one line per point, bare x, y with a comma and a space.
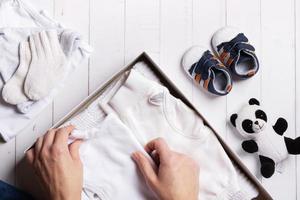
32, 47
155, 157
62, 135
30, 156
38, 146
146, 168
159, 146
45, 43
49, 138
74, 149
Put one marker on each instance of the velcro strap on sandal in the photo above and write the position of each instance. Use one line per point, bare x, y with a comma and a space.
229, 51
203, 66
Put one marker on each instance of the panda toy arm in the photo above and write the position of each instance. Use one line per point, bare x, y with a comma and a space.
250, 146
280, 126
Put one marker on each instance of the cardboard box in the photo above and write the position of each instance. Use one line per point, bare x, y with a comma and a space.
263, 194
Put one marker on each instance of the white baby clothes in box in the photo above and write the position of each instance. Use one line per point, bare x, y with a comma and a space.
109, 173
24, 21
150, 111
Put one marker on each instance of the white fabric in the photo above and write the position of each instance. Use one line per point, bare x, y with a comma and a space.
47, 67
91, 116
25, 21
109, 173
150, 111
13, 90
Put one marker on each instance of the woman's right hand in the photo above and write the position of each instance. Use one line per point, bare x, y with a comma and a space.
177, 176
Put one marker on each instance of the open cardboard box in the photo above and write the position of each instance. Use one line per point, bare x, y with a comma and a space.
262, 193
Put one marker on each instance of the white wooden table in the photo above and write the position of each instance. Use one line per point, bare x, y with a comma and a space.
120, 29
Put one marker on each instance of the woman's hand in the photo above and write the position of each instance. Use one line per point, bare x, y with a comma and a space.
57, 165
177, 177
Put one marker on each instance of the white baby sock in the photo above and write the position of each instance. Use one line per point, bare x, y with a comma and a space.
47, 66
12, 91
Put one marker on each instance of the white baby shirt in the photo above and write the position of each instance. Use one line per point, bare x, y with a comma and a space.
109, 173
150, 111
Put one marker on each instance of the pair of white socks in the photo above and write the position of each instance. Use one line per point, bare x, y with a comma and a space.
41, 67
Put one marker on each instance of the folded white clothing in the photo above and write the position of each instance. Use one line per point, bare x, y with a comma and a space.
25, 21
108, 170
93, 114
139, 99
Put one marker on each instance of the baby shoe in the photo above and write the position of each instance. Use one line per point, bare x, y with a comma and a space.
234, 51
202, 66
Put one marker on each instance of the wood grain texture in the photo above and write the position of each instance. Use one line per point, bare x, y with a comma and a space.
278, 82
119, 30
176, 38
201, 35
107, 36
76, 88
248, 22
297, 83
142, 28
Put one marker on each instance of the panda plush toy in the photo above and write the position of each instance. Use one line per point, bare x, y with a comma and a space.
264, 138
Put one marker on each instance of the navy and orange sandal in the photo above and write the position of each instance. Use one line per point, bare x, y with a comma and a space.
234, 51
206, 70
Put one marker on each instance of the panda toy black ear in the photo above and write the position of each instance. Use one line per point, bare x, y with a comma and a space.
254, 101
233, 119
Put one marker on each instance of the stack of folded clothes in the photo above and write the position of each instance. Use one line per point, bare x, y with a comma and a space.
130, 113
37, 56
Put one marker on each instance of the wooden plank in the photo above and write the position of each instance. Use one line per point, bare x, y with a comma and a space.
278, 82
243, 90
142, 29
36, 128
76, 88
176, 37
107, 36
212, 107
297, 83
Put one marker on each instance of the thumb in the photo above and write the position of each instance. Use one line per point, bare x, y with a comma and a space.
146, 168
74, 149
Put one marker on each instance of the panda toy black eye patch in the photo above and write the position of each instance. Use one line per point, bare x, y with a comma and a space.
247, 126
261, 115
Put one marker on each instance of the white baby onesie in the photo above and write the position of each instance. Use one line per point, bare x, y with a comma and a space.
109, 173
24, 20
150, 111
